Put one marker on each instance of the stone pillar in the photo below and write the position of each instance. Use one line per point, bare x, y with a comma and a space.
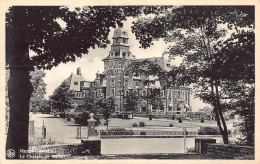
200, 144
92, 144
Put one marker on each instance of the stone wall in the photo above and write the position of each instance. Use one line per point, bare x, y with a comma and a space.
230, 151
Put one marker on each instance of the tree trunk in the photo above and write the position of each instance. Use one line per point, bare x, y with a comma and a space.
19, 93
224, 132
218, 114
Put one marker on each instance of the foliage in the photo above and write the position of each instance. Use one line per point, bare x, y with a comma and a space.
155, 99
39, 90
141, 124
134, 124
208, 131
116, 131
131, 102
191, 150
199, 39
62, 97
108, 108
45, 107
81, 119
91, 104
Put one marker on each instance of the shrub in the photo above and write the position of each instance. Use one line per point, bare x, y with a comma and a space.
202, 120
119, 116
81, 119
173, 117
134, 125
141, 124
208, 131
116, 131
180, 120
191, 150
62, 115
68, 117
170, 125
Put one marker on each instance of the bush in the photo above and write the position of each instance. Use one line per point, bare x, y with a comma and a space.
191, 150
126, 116
208, 131
119, 116
116, 131
81, 119
180, 120
68, 117
62, 115
202, 120
134, 125
141, 124
170, 125
173, 117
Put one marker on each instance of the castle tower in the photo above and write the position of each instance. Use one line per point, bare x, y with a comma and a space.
115, 63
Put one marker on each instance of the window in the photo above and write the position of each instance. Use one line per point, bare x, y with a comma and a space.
116, 40
124, 33
112, 91
168, 65
136, 83
125, 41
126, 82
75, 83
116, 53
144, 92
112, 82
124, 54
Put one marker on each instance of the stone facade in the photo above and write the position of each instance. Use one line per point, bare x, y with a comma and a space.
117, 81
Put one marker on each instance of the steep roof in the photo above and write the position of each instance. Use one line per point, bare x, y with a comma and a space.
74, 78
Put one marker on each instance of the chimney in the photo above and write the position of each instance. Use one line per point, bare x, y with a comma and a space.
78, 71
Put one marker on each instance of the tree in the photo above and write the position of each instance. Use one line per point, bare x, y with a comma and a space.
91, 104
131, 102
62, 97
108, 108
155, 99
37, 29
195, 30
39, 90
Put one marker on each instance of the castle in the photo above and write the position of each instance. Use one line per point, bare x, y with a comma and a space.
117, 82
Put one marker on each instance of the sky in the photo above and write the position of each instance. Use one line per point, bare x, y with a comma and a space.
92, 63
